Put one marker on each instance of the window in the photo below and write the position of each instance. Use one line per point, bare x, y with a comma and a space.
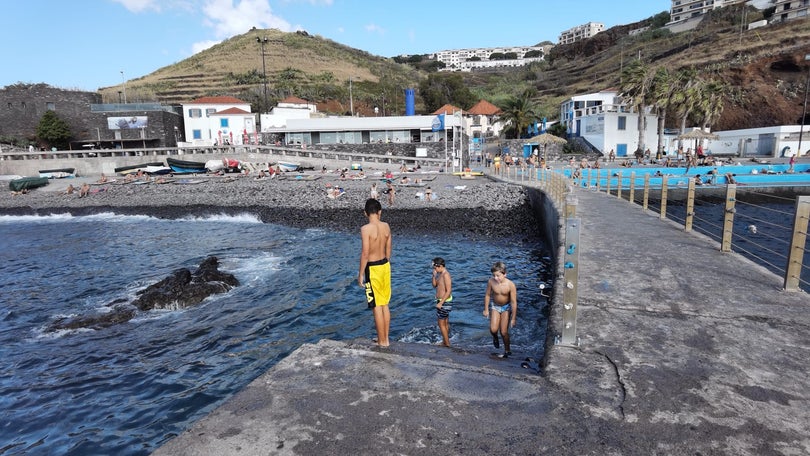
622, 123
210, 111
195, 112
223, 122
50, 106
196, 134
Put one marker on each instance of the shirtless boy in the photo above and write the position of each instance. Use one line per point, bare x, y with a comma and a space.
443, 284
502, 310
375, 270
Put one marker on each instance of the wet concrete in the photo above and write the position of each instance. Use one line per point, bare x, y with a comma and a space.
684, 350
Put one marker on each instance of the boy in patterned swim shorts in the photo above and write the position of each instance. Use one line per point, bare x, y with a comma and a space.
443, 284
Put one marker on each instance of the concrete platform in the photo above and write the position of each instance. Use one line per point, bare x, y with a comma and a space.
684, 350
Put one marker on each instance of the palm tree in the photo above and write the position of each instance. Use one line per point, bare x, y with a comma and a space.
685, 99
712, 103
635, 87
664, 86
520, 111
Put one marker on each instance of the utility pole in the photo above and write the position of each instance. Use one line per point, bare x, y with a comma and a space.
262, 42
124, 83
351, 100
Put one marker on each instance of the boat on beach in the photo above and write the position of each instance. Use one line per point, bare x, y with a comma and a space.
289, 166
124, 170
185, 166
27, 183
57, 173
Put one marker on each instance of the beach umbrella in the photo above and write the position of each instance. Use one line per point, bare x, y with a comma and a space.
698, 135
545, 139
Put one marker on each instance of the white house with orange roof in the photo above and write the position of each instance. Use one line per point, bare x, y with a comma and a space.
212, 120
483, 120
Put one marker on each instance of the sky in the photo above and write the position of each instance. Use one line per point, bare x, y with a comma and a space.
90, 44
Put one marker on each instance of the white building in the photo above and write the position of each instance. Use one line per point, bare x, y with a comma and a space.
764, 142
459, 59
787, 10
210, 120
606, 122
363, 130
580, 32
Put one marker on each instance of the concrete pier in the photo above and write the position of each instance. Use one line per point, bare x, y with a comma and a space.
684, 350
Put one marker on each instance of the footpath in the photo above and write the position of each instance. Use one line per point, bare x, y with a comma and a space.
683, 350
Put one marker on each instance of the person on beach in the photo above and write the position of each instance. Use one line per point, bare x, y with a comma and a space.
374, 194
85, 190
428, 194
500, 306
390, 191
375, 270
443, 284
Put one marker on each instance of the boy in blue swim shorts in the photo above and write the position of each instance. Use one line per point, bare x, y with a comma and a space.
500, 306
443, 284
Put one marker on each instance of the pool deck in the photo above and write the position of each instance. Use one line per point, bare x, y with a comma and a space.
684, 350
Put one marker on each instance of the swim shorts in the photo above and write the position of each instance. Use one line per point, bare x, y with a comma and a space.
501, 309
444, 312
378, 283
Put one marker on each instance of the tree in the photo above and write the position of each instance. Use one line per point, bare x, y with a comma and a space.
520, 111
439, 89
53, 131
635, 87
665, 85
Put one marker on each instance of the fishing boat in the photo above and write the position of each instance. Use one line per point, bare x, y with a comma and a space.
124, 170
289, 166
185, 166
27, 183
57, 173
157, 170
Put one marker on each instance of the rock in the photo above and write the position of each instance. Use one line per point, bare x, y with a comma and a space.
180, 290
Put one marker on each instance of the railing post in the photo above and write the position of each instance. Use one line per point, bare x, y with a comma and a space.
619, 186
664, 183
571, 203
796, 254
646, 201
728, 219
690, 206
571, 282
632, 187
598, 181
607, 185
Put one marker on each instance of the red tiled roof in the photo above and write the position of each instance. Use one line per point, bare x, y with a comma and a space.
484, 108
218, 100
230, 111
294, 100
446, 109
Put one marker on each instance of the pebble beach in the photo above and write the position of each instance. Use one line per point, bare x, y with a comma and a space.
480, 205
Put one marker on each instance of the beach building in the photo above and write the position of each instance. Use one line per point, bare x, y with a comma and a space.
765, 142
606, 122
580, 32
218, 120
483, 121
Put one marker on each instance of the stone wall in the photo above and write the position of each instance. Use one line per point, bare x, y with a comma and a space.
22, 106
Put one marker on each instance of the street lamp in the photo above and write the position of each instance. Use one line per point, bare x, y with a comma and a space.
124, 83
262, 42
804, 110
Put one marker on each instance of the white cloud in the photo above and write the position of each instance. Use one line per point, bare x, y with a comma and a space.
136, 6
374, 28
234, 17
203, 45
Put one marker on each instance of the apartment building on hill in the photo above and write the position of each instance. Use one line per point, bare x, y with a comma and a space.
481, 58
787, 10
581, 32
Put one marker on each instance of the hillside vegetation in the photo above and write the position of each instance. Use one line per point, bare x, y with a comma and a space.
763, 68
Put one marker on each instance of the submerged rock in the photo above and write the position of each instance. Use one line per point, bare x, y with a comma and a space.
179, 290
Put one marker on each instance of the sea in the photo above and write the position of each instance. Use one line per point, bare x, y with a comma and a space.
129, 388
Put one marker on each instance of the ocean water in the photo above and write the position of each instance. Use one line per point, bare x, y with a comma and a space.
127, 389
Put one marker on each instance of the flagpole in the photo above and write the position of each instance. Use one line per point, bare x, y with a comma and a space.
445, 141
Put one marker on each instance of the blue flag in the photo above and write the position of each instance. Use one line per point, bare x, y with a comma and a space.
438, 123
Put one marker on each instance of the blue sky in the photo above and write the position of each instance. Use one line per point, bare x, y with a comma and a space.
86, 44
